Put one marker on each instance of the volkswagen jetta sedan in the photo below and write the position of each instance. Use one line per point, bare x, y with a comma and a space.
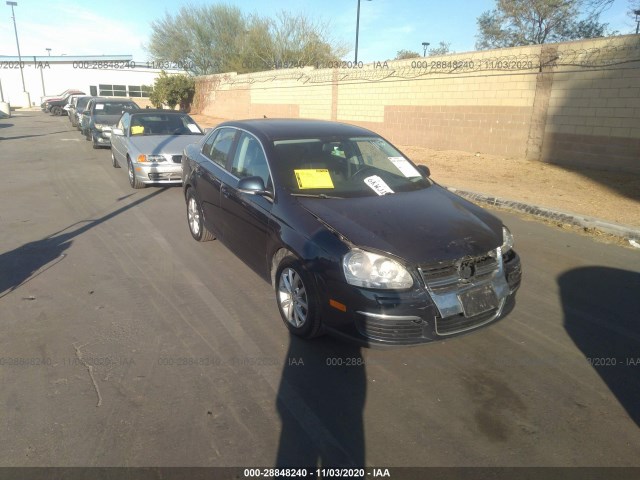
355, 238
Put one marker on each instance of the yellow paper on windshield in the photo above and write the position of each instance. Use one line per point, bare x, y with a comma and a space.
137, 130
313, 178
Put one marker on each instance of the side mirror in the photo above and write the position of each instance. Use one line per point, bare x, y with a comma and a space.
117, 131
253, 186
424, 170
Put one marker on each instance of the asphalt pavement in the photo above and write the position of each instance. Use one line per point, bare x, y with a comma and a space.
123, 342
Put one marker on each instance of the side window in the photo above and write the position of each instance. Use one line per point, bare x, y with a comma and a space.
221, 146
249, 159
123, 124
206, 148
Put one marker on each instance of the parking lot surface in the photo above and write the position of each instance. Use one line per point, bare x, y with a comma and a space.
125, 343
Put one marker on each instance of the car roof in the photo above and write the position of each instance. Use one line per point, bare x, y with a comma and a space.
113, 99
144, 111
296, 128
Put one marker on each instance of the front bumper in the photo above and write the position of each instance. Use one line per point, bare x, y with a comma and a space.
102, 137
408, 317
164, 172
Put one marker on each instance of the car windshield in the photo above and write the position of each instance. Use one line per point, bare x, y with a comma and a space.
163, 124
114, 108
344, 167
82, 102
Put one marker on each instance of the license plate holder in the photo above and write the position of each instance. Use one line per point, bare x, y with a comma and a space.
476, 301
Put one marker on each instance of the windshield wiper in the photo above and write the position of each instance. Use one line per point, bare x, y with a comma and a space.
313, 195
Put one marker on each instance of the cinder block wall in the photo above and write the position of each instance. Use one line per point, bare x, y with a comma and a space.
574, 103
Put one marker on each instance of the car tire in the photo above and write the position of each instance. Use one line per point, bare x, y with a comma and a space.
297, 298
195, 219
87, 135
56, 111
114, 162
133, 180
94, 144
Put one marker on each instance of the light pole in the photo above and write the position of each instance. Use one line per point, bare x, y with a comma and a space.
357, 30
424, 46
13, 15
48, 51
637, 12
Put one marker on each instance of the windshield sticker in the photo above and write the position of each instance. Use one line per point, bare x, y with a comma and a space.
378, 185
99, 106
313, 178
137, 130
404, 166
193, 128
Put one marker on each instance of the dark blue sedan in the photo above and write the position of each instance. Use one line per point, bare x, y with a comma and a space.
355, 238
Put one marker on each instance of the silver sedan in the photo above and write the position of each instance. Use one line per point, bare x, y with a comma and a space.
150, 144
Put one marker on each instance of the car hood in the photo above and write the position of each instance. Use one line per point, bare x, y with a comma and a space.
425, 226
159, 144
106, 119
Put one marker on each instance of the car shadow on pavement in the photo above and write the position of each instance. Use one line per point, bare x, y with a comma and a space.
320, 401
26, 262
602, 315
35, 135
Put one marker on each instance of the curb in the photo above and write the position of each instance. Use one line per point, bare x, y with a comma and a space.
622, 231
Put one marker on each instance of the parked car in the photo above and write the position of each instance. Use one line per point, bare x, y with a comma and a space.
150, 144
100, 116
55, 105
355, 238
76, 107
44, 98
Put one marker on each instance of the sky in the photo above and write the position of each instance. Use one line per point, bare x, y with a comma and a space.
119, 27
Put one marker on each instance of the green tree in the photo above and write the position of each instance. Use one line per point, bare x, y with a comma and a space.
288, 41
220, 38
172, 90
442, 49
202, 39
530, 22
406, 54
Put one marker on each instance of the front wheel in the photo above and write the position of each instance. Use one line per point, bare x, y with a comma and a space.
133, 180
114, 162
297, 299
56, 111
195, 219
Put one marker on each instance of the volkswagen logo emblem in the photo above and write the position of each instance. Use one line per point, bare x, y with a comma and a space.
466, 270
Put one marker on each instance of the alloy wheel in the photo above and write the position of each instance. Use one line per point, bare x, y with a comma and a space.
292, 296
193, 216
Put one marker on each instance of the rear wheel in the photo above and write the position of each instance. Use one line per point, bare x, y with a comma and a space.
133, 180
56, 111
297, 299
195, 219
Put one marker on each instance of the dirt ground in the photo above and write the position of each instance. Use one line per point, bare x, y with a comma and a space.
609, 196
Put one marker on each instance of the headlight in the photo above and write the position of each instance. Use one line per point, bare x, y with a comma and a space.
102, 126
366, 269
507, 240
151, 158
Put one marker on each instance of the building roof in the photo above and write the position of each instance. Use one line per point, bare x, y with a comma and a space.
67, 58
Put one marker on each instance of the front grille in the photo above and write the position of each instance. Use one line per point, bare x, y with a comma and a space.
449, 277
389, 329
176, 158
165, 176
460, 323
